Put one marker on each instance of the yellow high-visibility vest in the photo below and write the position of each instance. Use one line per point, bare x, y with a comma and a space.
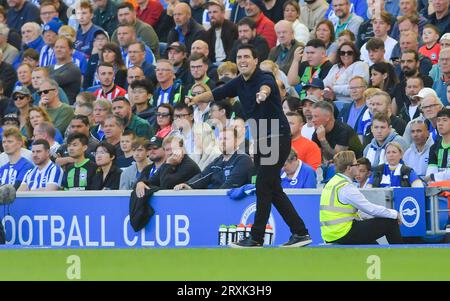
335, 218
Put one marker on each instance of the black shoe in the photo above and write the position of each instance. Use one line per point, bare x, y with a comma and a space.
297, 241
247, 242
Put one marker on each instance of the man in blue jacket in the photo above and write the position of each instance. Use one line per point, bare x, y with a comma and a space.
229, 170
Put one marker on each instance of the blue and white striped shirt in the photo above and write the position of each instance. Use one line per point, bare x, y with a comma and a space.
39, 178
14, 173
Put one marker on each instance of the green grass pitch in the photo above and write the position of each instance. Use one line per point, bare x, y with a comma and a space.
269, 264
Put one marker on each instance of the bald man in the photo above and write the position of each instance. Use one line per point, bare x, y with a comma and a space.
186, 29
283, 54
200, 47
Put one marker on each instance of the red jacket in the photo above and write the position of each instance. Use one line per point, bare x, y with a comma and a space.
151, 13
266, 28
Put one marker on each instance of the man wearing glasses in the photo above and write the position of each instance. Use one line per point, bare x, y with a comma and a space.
198, 64
352, 112
430, 107
168, 90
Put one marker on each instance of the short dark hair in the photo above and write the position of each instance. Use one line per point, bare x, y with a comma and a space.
294, 104
416, 54
296, 114
316, 43
445, 112
74, 136
249, 47
104, 64
84, 119
31, 53
198, 56
129, 133
110, 149
375, 44
182, 106
140, 141
223, 105
143, 83
125, 5
365, 162
42, 142
121, 98
247, 21
292, 3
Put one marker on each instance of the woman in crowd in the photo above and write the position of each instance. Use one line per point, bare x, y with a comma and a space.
348, 65
90, 78
37, 115
22, 104
383, 77
102, 108
325, 32
291, 13
107, 176
202, 110
164, 120
206, 148
394, 173
111, 54
344, 36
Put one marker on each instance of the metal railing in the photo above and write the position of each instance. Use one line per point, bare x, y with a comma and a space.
433, 212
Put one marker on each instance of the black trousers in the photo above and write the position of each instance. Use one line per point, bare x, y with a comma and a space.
368, 231
269, 190
2, 234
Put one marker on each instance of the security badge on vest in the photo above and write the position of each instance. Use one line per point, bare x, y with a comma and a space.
336, 218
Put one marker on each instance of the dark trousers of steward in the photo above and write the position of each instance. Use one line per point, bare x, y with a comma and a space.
368, 231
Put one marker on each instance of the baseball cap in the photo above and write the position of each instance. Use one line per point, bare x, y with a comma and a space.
445, 36
54, 25
101, 31
311, 98
426, 92
214, 2
177, 46
11, 117
21, 90
315, 83
156, 141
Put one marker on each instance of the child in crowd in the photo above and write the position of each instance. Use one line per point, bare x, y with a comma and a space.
126, 141
431, 47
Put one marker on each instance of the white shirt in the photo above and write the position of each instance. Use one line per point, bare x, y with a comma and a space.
23, 153
389, 45
39, 178
301, 32
308, 131
349, 194
220, 52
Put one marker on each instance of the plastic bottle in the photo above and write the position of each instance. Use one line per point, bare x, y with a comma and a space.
231, 234
240, 232
223, 233
248, 229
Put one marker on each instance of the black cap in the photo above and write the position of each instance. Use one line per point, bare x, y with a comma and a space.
314, 83
156, 141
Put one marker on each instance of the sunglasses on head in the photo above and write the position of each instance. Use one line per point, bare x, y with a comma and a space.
44, 91
344, 53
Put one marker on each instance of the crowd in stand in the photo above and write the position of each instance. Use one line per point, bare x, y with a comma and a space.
95, 94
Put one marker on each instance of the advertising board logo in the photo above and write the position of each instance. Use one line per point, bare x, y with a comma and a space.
247, 218
410, 211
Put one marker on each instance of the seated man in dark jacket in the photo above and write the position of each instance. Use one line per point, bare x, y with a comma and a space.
229, 170
178, 167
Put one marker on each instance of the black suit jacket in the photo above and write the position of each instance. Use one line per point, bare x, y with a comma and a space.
228, 35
